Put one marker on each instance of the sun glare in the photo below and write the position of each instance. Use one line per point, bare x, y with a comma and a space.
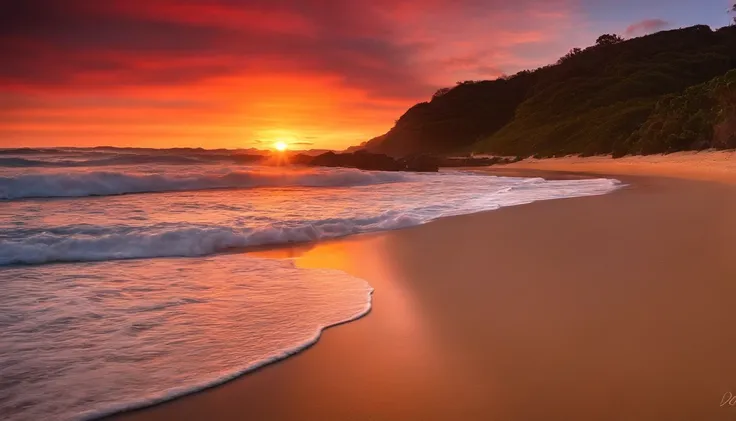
280, 146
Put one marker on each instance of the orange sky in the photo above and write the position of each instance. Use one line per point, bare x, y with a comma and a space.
246, 73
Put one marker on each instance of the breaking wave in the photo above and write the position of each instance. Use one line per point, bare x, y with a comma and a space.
61, 363
107, 183
87, 245
16, 162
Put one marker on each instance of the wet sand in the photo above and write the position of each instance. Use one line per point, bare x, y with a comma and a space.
616, 307
718, 166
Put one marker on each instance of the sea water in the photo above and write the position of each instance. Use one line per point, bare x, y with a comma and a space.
117, 293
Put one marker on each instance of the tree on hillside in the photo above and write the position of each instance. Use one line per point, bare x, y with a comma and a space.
733, 11
608, 39
658, 93
570, 54
441, 92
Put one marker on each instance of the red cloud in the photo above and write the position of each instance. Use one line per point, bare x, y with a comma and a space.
323, 68
381, 46
646, 26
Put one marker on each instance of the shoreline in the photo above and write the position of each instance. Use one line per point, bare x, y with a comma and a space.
294, 250
248, 388
709, 165
124, 409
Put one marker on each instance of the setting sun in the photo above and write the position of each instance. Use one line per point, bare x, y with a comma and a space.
280, 146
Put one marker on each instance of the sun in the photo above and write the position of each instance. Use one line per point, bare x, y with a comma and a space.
280, 146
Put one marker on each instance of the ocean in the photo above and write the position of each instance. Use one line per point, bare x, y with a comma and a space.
119, 283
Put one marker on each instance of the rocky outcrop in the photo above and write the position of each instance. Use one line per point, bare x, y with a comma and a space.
420, 163
477, 162
379, 162
369, 161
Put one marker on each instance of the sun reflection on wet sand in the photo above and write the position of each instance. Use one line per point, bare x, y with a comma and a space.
413, 356
365, 258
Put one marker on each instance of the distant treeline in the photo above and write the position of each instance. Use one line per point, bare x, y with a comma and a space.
665, 92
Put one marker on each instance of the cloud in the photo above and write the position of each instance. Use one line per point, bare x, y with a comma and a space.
328, 70
102, 43
646, 26
378, 46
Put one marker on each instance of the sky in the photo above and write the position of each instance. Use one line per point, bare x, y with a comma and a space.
249, 73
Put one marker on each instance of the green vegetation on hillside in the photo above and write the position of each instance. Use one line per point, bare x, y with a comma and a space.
660, 93
455, 117
704, 116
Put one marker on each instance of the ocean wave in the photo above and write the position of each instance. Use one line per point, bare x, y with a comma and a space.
228, 377
107, 183
327, 214
157, 319
117, 160
128, 159
23, 163
185, 241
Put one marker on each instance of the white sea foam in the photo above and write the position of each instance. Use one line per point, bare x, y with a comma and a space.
80, 342
105, 183
348, 214
179, 242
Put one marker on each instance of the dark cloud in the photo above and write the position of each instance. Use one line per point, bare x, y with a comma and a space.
367, 44
90, 43
646, 26
74, 25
